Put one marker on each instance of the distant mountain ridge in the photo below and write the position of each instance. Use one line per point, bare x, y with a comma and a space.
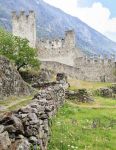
52, 22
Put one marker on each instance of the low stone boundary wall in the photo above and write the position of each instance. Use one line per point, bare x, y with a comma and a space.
30, 125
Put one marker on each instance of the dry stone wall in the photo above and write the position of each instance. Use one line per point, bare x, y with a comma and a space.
11, 82
30, 126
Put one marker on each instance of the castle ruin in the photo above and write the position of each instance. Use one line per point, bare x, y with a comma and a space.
62, 55
60, 50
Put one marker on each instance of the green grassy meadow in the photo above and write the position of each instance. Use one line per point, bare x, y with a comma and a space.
85, 126
75, 127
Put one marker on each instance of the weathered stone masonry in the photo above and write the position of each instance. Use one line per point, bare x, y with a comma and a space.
30, 126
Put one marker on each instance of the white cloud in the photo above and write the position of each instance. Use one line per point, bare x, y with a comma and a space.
97, 16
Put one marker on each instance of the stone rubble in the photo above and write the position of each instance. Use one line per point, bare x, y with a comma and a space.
109, 92
80, 95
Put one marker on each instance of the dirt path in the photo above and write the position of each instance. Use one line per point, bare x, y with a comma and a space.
5, 108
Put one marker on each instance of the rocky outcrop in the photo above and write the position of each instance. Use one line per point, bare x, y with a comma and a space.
11, 82
30, 126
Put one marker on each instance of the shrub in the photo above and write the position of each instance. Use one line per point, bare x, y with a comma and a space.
18, 50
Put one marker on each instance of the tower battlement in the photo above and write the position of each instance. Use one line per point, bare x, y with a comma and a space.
24, 26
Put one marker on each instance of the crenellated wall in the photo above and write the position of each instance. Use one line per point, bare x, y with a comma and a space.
94, 61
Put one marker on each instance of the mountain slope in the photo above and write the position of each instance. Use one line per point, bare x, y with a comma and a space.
52, 22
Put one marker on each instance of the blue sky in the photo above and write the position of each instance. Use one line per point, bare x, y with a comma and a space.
98, 14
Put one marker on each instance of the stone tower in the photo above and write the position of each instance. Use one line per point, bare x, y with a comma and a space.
24, 26
70, 39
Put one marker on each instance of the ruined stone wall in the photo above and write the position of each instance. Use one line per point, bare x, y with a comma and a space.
30, 125
59, 50
88, 72
57, 47
11, 82
24, 26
